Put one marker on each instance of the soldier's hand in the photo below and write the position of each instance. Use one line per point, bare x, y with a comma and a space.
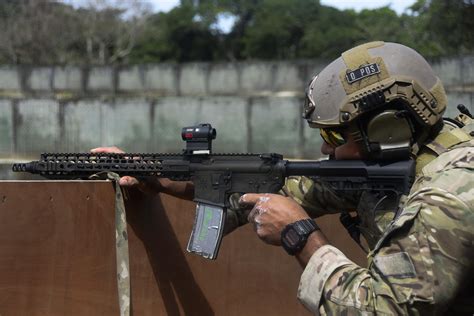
124, 181
271, 213
148, 186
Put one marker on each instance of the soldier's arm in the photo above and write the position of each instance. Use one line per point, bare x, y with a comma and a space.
317, 198
420, 265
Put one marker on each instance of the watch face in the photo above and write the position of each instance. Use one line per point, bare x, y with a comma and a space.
295, 235
292, 238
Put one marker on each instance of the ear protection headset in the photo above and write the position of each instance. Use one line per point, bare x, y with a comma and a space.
388, 135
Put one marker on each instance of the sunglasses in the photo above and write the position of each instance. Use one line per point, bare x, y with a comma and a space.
332, 136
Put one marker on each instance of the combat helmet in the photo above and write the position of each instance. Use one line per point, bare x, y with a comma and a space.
386, 94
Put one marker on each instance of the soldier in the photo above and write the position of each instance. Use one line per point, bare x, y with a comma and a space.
378, 101
382, 101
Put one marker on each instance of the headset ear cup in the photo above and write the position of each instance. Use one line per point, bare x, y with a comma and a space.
389, 134
389, 128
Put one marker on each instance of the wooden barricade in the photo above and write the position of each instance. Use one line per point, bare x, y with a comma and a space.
57, 257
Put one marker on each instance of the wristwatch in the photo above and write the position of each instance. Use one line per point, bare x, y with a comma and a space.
295, 235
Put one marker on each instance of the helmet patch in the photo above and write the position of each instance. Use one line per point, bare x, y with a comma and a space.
362, 72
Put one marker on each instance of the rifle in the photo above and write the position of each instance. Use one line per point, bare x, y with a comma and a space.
217, 176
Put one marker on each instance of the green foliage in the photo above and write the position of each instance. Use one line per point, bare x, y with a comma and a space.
179, 35
445, 27
330, 33
277, 29
51, 32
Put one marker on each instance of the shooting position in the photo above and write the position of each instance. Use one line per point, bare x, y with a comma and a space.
379, 109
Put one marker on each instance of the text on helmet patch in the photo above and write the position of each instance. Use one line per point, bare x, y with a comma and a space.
362, 72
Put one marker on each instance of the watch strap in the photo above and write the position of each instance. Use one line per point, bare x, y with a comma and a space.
306, 226
303, 228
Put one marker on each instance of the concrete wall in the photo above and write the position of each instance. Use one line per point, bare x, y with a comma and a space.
255, 106
190, 79
138, 124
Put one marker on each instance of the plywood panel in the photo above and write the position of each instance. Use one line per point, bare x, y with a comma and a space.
57, 257
57, 249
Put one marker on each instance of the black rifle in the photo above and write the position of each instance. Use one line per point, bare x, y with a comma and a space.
217, 176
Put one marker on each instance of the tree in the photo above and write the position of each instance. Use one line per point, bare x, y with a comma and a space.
447, 24
244, 12
110, 29
36, 32
50, 32
122, 31
278, 28
179, 35
329, 33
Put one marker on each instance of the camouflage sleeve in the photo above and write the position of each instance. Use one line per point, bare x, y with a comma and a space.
421, 263
317, 198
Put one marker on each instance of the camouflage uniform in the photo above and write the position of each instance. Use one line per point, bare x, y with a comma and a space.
421, 262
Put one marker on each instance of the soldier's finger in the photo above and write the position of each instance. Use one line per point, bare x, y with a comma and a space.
250, 199
251, 217
112, 149
128, 181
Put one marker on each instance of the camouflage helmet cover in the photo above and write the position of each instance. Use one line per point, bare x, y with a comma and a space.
369, 76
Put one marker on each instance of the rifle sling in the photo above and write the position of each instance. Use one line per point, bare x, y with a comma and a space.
121, 248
